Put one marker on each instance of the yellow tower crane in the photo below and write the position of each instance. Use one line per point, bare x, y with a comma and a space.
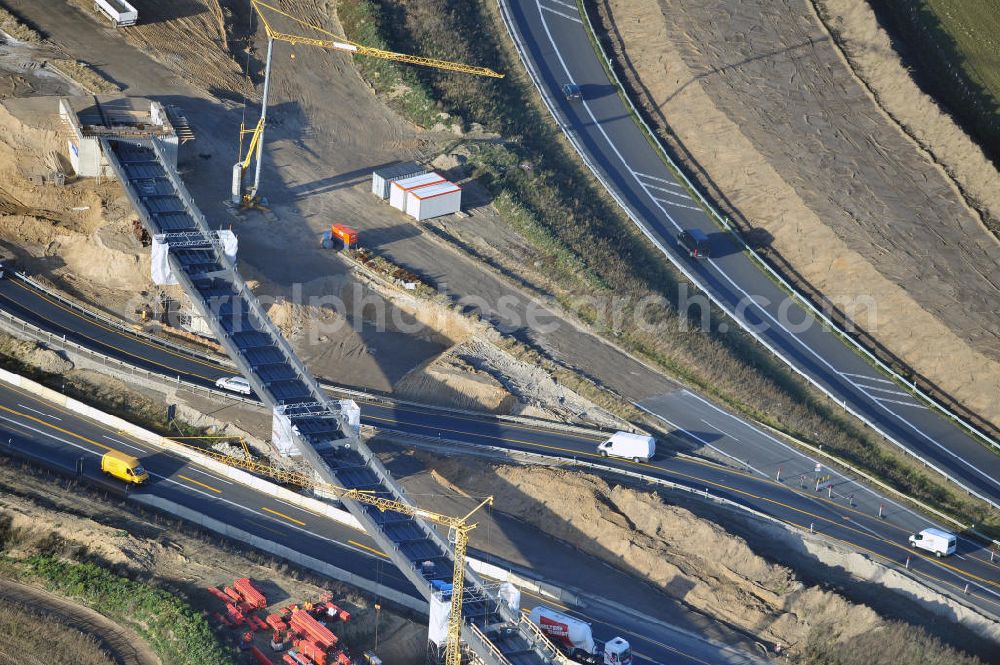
459, 528
329, 41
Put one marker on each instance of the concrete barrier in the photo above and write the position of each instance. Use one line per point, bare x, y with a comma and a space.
538, 587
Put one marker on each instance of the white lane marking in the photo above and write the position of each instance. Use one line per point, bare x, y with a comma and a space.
896, 401
565, 4
882, 390
210, 475
700, 440
670, 192
961, 557
723, 433
127, 445
672, 203
866, 378
41, 413
256, 513
559, 13
670, 218
653, 177
51, 436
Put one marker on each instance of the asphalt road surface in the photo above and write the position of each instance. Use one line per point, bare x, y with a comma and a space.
559, 51
841, 508
35, 428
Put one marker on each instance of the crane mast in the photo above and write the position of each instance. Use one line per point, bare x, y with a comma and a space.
331, 42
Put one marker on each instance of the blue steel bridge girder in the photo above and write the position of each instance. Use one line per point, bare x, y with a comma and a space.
327, 443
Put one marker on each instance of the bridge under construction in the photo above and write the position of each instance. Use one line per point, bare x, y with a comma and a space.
307, 422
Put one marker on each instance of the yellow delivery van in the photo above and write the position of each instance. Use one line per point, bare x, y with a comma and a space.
125, 467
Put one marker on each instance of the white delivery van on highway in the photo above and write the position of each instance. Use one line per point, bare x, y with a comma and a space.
636, 447
941, 543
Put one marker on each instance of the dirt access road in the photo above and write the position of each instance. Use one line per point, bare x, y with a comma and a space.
315, 171
766, 108
126, 647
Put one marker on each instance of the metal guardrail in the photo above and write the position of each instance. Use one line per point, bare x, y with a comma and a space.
606, 183
789, 288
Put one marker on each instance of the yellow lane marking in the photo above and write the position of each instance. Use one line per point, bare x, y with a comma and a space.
192, 480
370, 549
737, 491
56, 428
128, 353
100, 325
290, 519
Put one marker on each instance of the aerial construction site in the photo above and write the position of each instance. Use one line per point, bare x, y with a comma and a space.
435, 332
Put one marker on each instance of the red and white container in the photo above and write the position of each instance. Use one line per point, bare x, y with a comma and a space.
400, 188
433, 201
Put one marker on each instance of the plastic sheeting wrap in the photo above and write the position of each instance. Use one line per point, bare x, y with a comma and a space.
163, 273
437, 624
511, 595
352, 414
283, 434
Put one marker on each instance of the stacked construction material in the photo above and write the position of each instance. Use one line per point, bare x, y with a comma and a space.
313, 642
240, 600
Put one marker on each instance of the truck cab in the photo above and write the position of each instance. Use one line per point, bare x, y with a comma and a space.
617, 652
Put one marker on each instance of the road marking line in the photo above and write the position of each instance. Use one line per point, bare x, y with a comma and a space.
668, 191
671, 203
653, 177
41, 413
559, 13
866, 378
722, 432
210, 475
51, 426
290, 519
565, 4
882, 390
896, 401
292, 505
370, 549
192, 480
127, 445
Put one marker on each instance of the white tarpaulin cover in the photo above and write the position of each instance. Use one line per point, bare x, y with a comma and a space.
282, 434
163, 274
511, 595
352, 414
437, 625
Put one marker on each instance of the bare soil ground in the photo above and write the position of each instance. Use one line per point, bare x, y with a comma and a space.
49, 516
74, 634
766, 108
685, 557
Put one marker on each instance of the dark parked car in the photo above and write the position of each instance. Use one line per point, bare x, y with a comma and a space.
696, 242
572, 92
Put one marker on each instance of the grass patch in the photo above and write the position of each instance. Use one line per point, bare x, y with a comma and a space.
593, 249
86, 76
887, 645
954, 46
178, 633
13, 27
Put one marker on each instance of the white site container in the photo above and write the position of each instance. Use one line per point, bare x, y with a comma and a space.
383, 178
399, 189
433, 201
119, 11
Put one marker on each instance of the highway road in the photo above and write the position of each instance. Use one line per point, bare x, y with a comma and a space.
38, 429
557, 50
842, 509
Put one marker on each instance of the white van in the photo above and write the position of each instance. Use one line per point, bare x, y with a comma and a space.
636, 447
941, 543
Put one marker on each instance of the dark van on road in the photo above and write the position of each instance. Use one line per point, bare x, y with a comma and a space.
572, 92
696, 242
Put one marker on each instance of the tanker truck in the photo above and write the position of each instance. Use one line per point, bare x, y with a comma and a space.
573, 637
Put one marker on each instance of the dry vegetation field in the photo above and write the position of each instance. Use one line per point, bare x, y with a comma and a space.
64, 646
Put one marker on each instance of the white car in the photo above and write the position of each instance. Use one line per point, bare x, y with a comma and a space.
236, 384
